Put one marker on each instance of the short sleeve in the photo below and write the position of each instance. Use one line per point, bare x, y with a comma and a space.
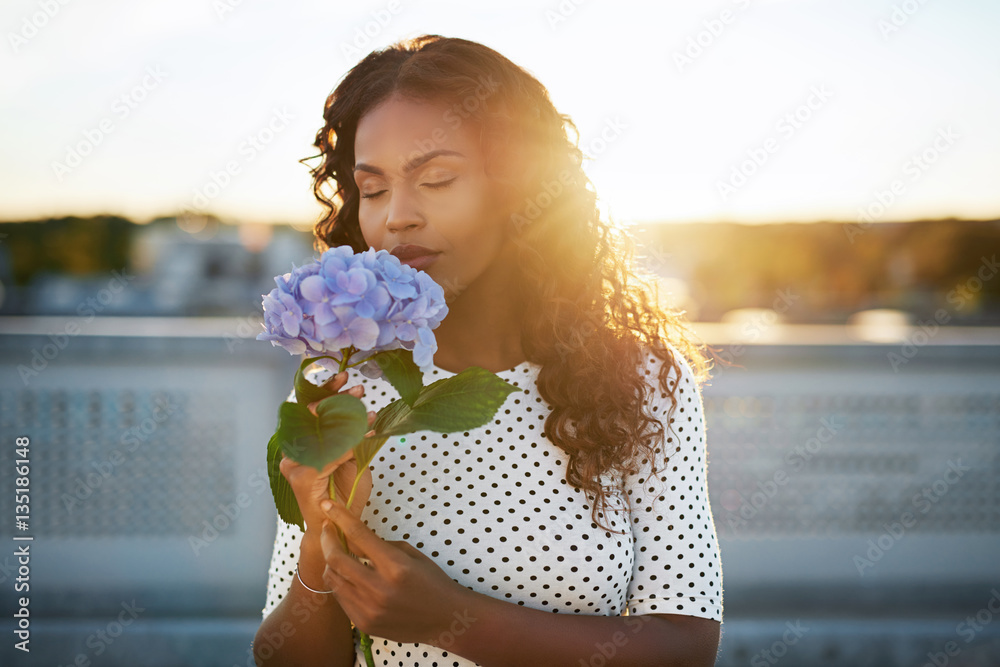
677, 565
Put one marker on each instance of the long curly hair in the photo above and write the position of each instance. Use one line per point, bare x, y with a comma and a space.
589, 316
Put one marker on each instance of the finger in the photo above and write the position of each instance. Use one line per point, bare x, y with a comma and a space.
345, 566
287, 465
357, 391
336, 381
330, 467
344, 458
360, 538
335, 582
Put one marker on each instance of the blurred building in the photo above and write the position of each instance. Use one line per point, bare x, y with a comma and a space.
218, 270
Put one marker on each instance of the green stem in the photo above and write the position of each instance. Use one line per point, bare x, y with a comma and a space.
365, 640
366, 646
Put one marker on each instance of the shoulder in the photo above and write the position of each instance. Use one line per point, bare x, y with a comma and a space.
680, 380
678, 407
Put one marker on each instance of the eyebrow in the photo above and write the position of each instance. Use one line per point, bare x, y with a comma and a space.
409, 165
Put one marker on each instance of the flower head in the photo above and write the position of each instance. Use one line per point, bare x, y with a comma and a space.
368, 301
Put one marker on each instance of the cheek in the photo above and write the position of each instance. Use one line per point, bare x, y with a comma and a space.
475, 241
469, 219
370, 230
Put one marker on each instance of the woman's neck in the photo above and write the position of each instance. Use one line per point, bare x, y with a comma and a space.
483, 325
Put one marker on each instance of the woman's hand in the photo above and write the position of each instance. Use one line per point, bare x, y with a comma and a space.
402, 595
312, 486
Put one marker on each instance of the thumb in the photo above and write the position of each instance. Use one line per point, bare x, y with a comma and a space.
330, 467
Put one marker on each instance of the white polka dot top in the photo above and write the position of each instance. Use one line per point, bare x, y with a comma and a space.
493, 509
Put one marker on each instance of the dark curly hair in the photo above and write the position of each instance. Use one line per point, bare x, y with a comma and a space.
589, 317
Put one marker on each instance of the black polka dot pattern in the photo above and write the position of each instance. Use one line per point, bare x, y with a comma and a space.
492, 508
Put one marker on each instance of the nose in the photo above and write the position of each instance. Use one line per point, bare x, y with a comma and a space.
403, 213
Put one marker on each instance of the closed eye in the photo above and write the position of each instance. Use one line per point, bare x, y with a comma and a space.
433, 186
440, 184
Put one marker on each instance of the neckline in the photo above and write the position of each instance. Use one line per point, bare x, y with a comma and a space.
447, 373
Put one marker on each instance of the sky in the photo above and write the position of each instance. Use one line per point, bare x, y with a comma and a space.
736, 110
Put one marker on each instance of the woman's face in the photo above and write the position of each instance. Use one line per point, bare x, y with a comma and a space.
422, 182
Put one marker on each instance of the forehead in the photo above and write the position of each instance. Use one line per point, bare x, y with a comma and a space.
400, 128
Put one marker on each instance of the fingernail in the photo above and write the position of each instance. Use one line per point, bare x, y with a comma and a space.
326, 505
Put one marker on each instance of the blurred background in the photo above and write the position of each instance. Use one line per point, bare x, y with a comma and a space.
815, 182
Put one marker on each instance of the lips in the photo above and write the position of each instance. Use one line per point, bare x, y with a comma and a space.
410, 251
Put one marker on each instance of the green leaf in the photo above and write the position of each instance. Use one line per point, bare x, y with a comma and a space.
404, 375
316, 441
459, 403
388, 416
305, 391
281, 490
367, 449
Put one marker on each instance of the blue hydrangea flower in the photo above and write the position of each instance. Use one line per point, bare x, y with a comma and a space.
368, 301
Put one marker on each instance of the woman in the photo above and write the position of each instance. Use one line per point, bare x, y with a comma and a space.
478, 547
